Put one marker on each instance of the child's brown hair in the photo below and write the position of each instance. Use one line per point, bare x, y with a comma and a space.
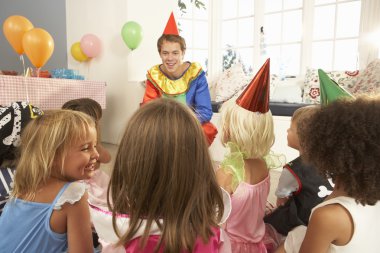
342, 140
163, 171
304, 112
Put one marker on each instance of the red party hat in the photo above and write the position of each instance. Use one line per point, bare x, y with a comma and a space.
255, 97
171, 26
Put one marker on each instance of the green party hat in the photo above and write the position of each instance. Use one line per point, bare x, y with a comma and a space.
330, 90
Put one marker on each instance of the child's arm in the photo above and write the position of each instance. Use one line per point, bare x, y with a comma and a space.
287, 184
224, 180
79, 233
328, 224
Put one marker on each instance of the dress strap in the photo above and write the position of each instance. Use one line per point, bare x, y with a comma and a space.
60, 193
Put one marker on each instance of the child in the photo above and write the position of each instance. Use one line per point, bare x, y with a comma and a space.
99, 181
163, 188
342, 141
247, 129
300, 186
48, 210
13, 119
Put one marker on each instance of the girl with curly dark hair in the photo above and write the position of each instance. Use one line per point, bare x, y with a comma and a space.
342, 140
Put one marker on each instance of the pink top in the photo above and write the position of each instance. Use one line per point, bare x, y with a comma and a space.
102, 220
245, 225
211, 247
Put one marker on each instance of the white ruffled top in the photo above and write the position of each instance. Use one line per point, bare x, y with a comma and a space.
73, 193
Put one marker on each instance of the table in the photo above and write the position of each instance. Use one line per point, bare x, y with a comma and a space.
49, 93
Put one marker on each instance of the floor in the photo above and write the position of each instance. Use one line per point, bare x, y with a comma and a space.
275, 173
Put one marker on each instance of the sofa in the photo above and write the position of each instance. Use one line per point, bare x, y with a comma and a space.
290, 92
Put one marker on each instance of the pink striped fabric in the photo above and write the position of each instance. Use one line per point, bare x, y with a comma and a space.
49, 93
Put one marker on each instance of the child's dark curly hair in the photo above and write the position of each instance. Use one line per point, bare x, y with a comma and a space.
343, 141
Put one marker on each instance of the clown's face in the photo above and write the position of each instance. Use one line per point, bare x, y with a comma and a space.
172, 59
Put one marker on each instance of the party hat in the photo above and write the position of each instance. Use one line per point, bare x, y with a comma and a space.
255, 97
171, 26
330, 90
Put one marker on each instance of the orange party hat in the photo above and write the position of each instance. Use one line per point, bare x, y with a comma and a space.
255, 97
171, 26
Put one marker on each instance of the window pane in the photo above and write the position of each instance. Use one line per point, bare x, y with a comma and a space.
246, 7
322, 53
201, 56
346, 53
292, 4
273, 5
348, 19
229, 33
245, 56
186, 31
290, 60
229, 9
188, 12
229, 58
201, 13
324, 22
274, 53
272, 28
292, 26
246, 31
201, 28
189, 56
318, 2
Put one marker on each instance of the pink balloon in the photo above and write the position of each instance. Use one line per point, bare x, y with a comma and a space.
90, 45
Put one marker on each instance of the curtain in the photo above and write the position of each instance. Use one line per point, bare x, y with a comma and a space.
369, 34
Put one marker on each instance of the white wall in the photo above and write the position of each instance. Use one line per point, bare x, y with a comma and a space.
120, 67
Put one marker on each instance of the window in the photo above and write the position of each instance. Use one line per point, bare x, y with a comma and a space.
295, 34
193, 25
335, 35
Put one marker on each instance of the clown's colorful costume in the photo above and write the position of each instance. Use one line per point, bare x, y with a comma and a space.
191, 89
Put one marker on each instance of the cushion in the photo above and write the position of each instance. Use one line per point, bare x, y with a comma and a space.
311, 92
369, 79
231, 82
286, 91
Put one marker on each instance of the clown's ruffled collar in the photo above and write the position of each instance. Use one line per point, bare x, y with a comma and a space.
174, 87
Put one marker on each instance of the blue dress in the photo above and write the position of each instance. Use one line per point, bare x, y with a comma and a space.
25, 227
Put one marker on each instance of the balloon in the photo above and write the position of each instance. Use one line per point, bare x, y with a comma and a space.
38, 45
14, 28
132, 34
90, 45
77, 52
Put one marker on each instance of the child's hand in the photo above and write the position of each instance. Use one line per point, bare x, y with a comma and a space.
281, 201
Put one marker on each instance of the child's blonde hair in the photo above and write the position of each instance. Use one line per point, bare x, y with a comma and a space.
44, 144
163, 171
253, 132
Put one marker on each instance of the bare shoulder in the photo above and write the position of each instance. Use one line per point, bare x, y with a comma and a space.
329, 224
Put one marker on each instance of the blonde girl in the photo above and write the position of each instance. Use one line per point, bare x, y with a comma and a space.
48, 211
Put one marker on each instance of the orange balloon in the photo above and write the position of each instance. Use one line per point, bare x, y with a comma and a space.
14, 28
38, 45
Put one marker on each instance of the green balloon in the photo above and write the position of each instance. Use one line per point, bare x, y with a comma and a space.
132, 34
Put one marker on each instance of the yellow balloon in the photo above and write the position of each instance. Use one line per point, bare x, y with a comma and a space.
38, 46
77, 52
14, 28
